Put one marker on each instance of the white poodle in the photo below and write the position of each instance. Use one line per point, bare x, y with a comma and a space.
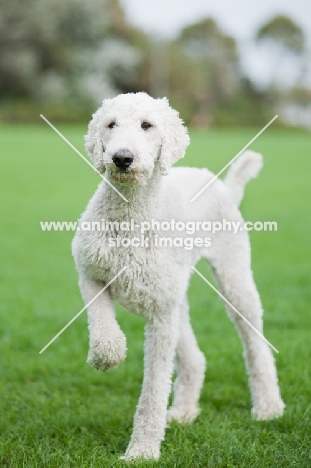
135, 139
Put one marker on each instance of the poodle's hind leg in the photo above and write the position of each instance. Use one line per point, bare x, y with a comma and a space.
190, 367
107, 341
233, 271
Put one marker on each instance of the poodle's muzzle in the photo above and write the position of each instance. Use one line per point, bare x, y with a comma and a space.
121, 169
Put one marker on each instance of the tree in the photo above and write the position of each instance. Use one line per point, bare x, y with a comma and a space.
204, 68
282, 31
283, 45
64, 50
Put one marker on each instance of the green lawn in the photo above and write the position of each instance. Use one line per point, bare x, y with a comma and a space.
56, 411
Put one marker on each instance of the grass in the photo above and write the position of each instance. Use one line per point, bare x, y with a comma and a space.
58, 412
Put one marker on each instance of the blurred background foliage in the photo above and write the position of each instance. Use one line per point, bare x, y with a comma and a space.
63, 58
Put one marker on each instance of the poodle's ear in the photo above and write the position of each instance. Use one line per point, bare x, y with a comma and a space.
175, 139
93, 142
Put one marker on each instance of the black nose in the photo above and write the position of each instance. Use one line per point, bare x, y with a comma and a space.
123, 158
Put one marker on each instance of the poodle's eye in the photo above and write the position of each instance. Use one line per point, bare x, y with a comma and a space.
112, 125
145, 125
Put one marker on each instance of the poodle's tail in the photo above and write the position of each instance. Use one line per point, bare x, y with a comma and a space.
246, 167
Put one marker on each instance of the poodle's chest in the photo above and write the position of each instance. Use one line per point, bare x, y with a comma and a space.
145, 279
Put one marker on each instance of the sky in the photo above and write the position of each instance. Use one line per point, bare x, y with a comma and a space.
241, 19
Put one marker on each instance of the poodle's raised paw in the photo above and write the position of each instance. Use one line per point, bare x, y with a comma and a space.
182, 415
106, 353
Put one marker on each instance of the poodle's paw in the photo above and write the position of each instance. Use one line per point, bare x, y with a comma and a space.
107, 353
144, 451
268, 410
184, 415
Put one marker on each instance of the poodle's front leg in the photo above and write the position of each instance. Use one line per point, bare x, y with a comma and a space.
107, 341
150, 418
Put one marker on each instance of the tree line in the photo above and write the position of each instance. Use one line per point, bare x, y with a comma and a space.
63, 58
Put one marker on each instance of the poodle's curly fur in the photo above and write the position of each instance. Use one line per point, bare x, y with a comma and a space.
155, 282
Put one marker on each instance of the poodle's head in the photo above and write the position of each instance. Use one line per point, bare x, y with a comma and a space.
131, 134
